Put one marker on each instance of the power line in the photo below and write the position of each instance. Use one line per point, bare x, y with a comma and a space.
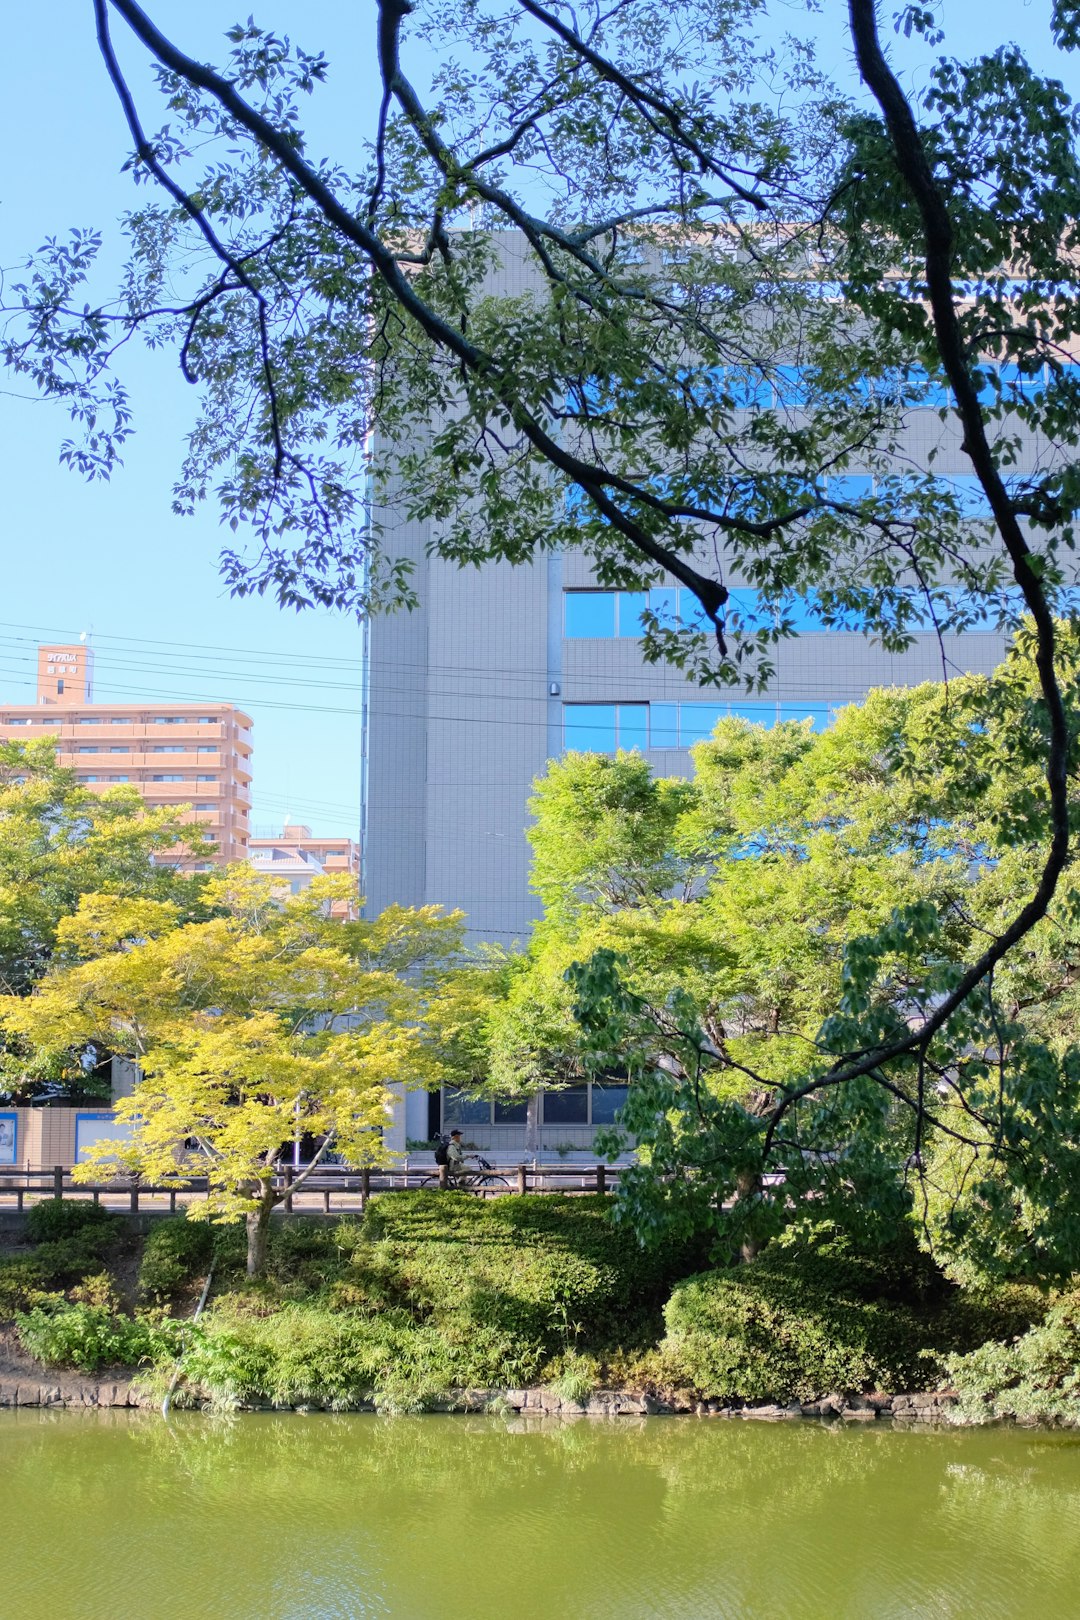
487, 671
623, 685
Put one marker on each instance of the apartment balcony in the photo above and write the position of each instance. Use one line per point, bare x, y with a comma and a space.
140, 760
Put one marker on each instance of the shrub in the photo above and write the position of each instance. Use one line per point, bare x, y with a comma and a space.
176, 1251
797, 1324
1035, 1378
302, 1353
544, 1271
30, 1279
89, 1337
433, 1292
23, 1283
56, 1219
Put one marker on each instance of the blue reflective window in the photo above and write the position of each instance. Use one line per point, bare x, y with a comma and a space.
970, 494
588, 614
801, 612
664, 725
820, 713
748, 605
984, 378
691, 611
697, 720
1029, 383
589, 728
749, 390
664, 602
930, 393
634, 725
791, 389
758, 714
849, 487
631, 607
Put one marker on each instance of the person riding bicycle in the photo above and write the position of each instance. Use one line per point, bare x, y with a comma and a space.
455, 1159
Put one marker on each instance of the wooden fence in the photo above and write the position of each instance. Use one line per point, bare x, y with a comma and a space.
329, 1191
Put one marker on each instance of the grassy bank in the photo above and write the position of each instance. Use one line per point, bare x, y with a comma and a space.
434, 1293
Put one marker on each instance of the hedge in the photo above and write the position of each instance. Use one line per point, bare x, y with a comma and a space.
800, 1324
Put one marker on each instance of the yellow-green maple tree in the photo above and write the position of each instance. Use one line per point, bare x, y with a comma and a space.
269, 1019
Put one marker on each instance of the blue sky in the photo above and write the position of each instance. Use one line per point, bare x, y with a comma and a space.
111, 558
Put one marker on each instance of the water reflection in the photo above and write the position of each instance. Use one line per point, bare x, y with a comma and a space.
321, 1517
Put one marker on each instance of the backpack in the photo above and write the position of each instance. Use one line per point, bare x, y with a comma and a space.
442, 1150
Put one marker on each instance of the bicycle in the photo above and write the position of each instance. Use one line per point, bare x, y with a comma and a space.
482, 1181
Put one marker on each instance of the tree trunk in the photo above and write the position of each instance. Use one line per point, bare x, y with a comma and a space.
258, 1230
748, 1188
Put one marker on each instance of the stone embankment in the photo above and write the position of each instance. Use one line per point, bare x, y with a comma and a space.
922, 1406
80, 1394
64, 1390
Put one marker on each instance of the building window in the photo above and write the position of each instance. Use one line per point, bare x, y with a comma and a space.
119, 748
206, 748
93, 722
206, 805
595, 1104
603, 728
59, 686
206, 779
569, 1107
119, 778
168, 779
88, 748
466, 1110
589, 614
16, 722
607, 1100
90, 778
168, 719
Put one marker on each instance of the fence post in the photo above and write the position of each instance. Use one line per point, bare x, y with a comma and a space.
365, 1185
444, 1176
288, 1184
601, 1178
135, 1198
58, 1181
523, 1179
172, 1200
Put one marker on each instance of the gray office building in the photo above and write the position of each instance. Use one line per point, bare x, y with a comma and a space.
503, 668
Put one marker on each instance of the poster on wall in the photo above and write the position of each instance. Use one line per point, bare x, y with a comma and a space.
93, 1128
8, 1132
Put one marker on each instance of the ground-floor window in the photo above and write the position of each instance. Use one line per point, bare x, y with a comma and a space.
593, 1103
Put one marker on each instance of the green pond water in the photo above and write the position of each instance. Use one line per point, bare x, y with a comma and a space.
110, 1516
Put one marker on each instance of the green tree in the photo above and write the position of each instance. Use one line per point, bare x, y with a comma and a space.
267, 1021
814, 896
60, 841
